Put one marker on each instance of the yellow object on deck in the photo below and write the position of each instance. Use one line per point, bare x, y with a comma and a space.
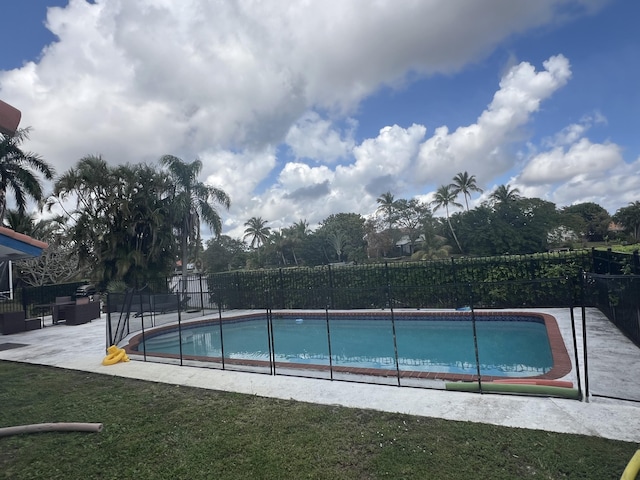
115, 355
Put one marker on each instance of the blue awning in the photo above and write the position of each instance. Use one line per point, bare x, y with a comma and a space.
16, 246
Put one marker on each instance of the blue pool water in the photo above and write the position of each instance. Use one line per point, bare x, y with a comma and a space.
509, 347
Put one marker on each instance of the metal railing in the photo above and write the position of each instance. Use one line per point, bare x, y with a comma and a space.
618, 297
135, 325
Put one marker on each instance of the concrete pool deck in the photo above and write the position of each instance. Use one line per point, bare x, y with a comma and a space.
613, 359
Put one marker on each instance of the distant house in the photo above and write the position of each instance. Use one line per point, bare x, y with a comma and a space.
615, 228
404, 244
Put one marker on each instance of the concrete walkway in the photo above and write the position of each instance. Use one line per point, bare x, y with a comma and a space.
82, 348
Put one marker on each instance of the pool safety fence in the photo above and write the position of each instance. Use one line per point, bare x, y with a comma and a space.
618, 297
33, 300
137, 316
608, 262
141, 315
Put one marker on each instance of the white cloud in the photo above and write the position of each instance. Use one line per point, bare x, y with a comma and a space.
481, 147
187, 76
314, 138
230, 82
559, 165
575, 131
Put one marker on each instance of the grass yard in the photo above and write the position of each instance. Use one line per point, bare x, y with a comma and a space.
158, 431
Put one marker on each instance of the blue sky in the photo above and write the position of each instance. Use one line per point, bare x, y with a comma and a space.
302, 112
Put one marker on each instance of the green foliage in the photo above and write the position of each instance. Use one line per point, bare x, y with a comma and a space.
508, 281
116, 286
18, 171
122, 222
223, 254
622, 248
192, 202
517, 226
629, 217
349, 227
594, 219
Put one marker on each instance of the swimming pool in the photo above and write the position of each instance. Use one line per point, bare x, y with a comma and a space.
419, 344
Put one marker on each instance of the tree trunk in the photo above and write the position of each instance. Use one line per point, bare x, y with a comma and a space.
453, 233
3, 204
185, 234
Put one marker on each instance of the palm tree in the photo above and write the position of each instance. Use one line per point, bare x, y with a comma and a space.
629, 217
387, 205
279, 241
258, 231
27, 224
119, 221
465, 184
444, 197
16, 171
504, 194
192, 201
296, 234
338, 241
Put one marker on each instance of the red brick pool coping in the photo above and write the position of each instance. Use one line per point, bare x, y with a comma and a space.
561, 360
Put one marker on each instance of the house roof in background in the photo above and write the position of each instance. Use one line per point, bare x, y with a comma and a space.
9, 118
16, 246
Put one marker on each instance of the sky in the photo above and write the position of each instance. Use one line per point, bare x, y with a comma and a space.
299, 110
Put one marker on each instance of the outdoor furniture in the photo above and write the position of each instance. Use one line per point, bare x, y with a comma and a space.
15, 322
59, 308
82, 311
74, 312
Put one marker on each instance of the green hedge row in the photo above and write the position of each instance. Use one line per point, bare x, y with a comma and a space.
509, 281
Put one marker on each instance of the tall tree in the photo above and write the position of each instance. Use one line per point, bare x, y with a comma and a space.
224, 253
387, 206
379, 240
595, 219
17, 172
121, 220
504, 194
279, 242
444, 197
629, 218
465, 184
412, 215
296, 234
193, 201
26, 223
257, 230
351, 227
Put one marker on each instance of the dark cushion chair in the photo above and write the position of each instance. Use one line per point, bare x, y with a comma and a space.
59, 311
82, 312
14, 322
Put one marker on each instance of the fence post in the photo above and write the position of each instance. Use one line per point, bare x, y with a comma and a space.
388, 285
636, 263
24, 302
201, 293
330, 287
475, 337
281, 282
109, 330
585, 356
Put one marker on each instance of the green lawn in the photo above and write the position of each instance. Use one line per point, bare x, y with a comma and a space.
158, 431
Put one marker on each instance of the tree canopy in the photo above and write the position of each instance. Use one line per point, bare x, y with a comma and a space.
19, 172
